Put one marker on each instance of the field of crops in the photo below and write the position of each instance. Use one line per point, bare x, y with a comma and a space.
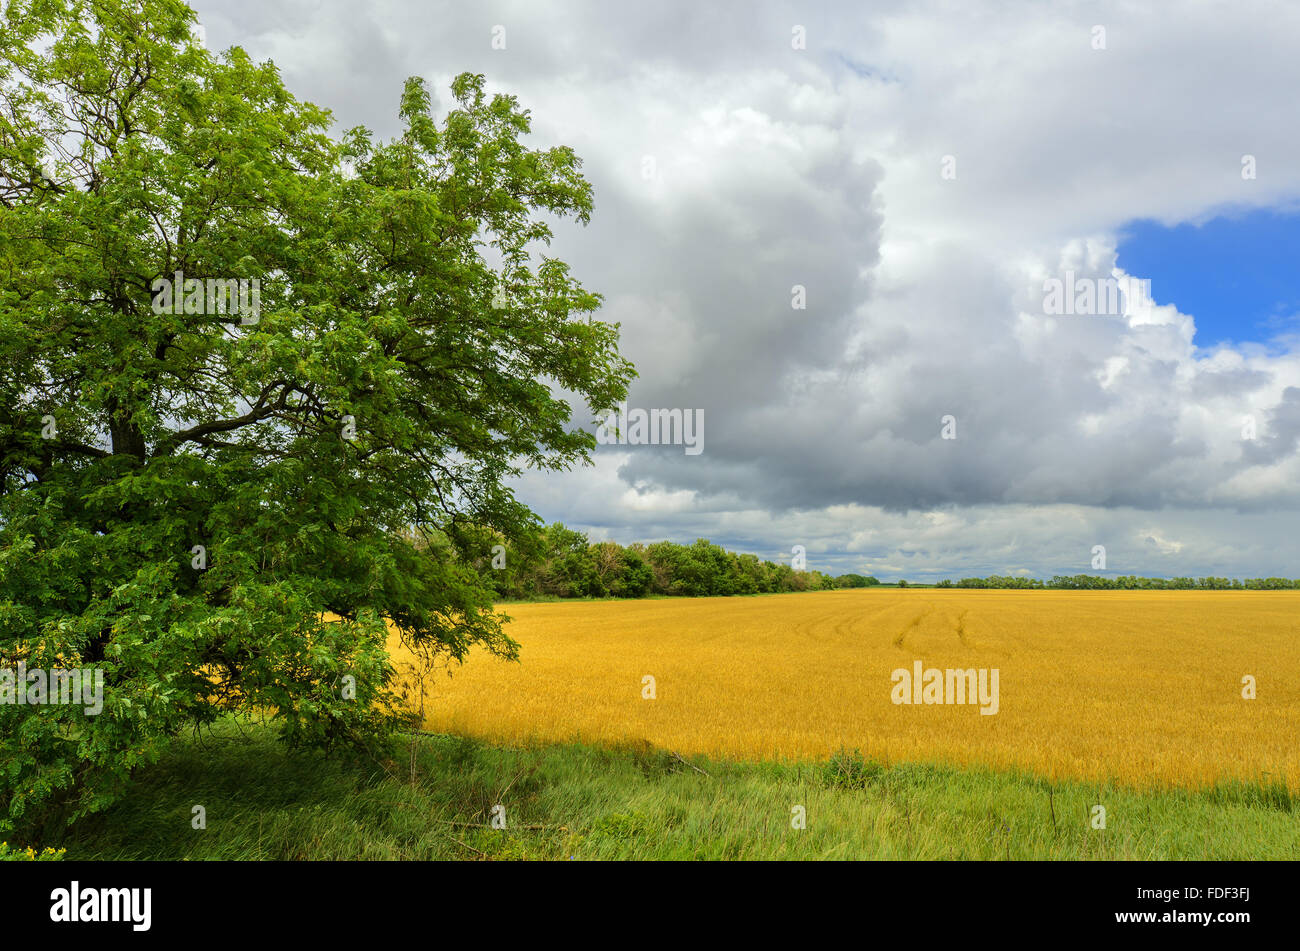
1144, 688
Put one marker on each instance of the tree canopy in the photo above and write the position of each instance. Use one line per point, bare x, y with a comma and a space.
220, 505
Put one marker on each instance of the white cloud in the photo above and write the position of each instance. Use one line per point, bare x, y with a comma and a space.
822, 168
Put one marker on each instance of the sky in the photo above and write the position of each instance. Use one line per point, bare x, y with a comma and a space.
926, 173
1235, 272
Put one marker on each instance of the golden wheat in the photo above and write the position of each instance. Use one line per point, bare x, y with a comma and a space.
1140, 687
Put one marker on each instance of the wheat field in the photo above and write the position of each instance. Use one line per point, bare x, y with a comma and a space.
1140, 688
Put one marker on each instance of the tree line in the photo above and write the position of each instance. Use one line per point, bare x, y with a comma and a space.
557, 561
1127, 583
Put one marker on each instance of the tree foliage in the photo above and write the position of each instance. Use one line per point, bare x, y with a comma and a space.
223, 512
560, 562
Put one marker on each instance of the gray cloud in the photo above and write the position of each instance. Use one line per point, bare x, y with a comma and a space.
1283, 432
774, 167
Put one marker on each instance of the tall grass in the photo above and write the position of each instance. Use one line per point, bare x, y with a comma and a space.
570, 801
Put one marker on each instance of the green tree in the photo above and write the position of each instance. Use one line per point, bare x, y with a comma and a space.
635, 577
563, 565
221, 511
852, 580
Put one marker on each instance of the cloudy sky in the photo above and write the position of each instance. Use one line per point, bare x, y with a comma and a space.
921, 170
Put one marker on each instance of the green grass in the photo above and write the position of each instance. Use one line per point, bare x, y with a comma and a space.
584, 802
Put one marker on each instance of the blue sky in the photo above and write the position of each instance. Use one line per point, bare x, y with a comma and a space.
1236, 275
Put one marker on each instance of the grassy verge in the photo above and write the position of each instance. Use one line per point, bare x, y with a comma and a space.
582, 802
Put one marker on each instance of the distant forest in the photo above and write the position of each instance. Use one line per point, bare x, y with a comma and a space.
562, 563
1127, 583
